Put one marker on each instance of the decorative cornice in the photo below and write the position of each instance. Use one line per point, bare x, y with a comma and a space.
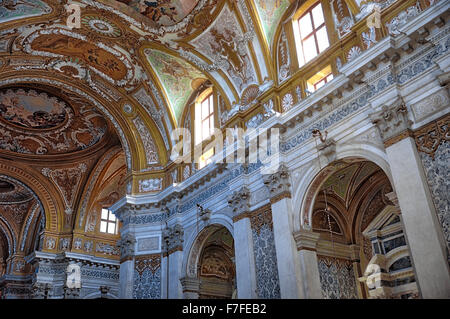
190, 284
306, 240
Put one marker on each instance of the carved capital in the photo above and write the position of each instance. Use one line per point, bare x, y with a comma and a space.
71, 293
278, 184
173, 239
126, 245
392, 121
240, 201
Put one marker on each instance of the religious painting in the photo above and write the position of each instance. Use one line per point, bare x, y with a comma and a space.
163, 12
98, 58
31, 109
270, 13
36, 122
176, 76
18, 9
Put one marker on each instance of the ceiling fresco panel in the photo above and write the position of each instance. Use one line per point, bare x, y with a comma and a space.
176, 76
270, 13
226, 45
163, 12
18, 9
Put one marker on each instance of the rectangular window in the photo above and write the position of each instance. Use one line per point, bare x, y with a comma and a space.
108, 222
319, 79
204, 118
311, 34
205, 159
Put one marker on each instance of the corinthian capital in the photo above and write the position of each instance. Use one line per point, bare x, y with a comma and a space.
278, 184
173, 238
392, 121
126, 245
240, 201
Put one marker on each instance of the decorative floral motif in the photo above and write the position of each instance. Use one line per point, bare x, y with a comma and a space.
337, 278
401, 19
353, 53
287, 102
267, 281
153, 184
101, 25
151, 152
147, 277
437, 170
369, 37
342, 17
430, 137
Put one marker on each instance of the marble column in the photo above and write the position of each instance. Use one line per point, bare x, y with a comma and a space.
243, 245
173, 253
306, 242
424, 234
278, 185
126, 275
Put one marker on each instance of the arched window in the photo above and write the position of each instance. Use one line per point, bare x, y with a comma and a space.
108, 222
310, 33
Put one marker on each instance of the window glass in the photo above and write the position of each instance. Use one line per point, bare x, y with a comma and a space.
317, 14
204, 118
319, 79
311, 34
108, 222
322, 39
305, 25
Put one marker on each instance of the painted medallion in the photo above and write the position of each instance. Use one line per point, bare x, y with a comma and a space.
31, 109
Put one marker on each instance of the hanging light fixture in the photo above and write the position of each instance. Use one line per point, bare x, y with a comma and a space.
317, 133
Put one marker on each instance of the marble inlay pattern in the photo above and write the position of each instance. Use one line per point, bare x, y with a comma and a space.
337, 278
437, 172
267, 280
147, 277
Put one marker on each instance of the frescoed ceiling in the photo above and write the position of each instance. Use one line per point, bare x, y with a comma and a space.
163, 12
148, 54
177, 77
270, 13
344, 182
33, 121
17, 9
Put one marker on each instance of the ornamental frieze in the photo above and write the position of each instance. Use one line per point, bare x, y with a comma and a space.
432, 135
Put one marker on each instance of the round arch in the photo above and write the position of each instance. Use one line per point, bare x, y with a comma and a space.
196, 241
53, 208
314, 177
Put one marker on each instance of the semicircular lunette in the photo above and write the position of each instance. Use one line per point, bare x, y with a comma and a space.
34, 121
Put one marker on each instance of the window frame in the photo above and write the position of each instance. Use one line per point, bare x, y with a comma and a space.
299, 41
108, 222
199, 120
